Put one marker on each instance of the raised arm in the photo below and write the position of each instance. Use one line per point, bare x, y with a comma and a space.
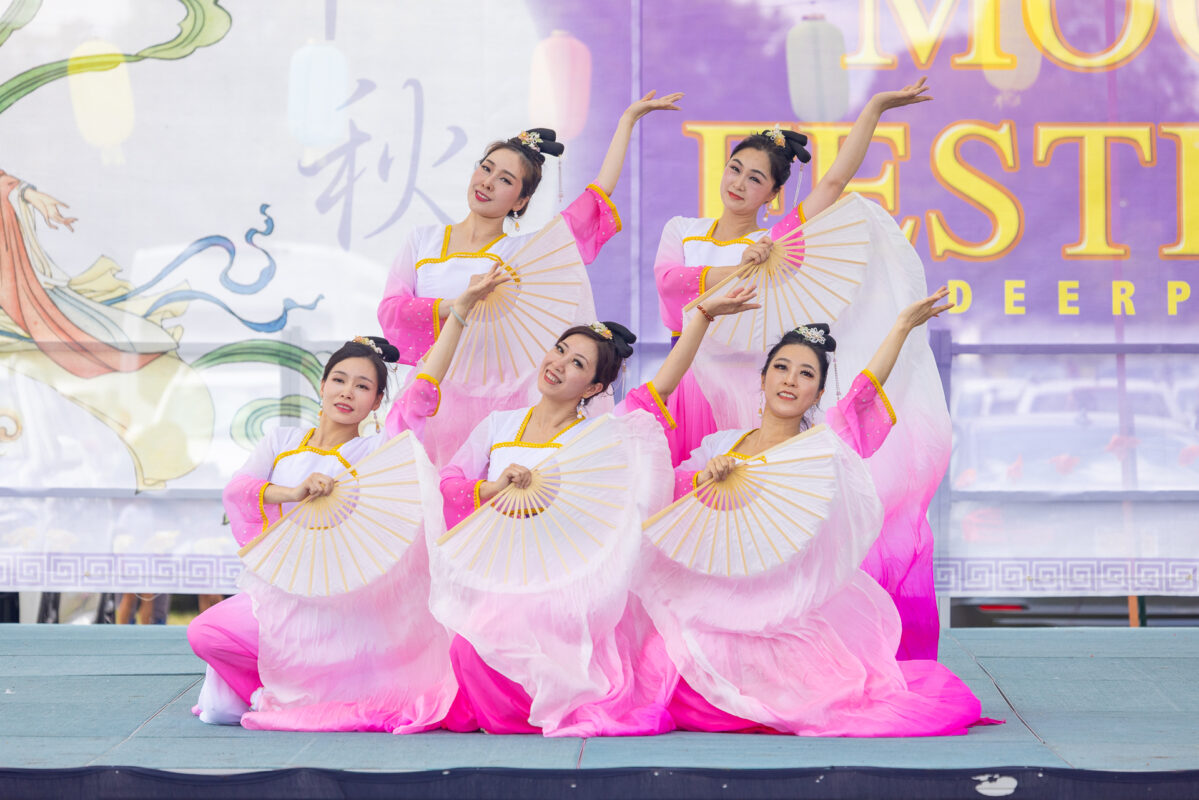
441, 354
912, 317
683, 353
853, 151
609, 172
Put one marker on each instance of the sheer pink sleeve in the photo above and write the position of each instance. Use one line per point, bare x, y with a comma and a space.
460, 478
419, 400
646, 398
248, 515
864, 417
593, 220
409, 322
684, 481
677, 283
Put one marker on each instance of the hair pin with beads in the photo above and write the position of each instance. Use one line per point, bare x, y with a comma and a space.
366, 340
601, 329
811, 334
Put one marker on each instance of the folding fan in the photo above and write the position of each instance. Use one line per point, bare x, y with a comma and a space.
767, 510
510, 330
344, 540
560, 527
812, 273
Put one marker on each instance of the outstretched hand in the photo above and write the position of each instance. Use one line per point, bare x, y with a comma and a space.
480, 285
922, 311
906, 96
653, 103
736, 301
49, 208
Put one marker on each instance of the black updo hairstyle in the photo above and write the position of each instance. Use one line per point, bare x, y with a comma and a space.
357, 349
610, 353
821, 350
532, 159
780, 157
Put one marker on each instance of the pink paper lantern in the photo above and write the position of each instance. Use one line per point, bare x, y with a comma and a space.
560, 85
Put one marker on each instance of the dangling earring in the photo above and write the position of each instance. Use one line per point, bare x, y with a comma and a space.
836, 376
761, 404
516, 223
581, 408
375, 417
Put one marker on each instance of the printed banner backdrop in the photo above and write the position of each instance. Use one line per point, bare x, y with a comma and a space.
244, 172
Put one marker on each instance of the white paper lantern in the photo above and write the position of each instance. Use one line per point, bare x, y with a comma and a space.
318, 85
819, 85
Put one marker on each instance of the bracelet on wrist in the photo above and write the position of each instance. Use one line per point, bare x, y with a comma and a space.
458, 317
704, 311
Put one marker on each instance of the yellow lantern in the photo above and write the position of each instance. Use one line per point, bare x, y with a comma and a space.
560, 85
102, 101
818, 84
1014, 39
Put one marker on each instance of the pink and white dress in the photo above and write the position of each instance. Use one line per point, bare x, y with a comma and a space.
426, 274
909, 467
807, 647
581, 659
372, 659
686, 251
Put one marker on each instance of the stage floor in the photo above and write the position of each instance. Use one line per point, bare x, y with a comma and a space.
1073, 698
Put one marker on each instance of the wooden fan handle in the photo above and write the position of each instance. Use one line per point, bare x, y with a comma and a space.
742, 272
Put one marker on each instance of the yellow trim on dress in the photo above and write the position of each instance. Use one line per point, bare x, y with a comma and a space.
707, 237
878, 387
520, 435
478, 500
653, 392
733, 450
703, 279
799, 211
304, 448
612, 206
446, 256
262, 505
695, 479
436, 385
436, 318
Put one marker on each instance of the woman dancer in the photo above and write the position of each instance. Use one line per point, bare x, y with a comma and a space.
583, 661
289, 465
436, 262
696, 254
807, 647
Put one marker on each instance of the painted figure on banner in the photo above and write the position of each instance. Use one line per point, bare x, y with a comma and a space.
83, 334
851, 280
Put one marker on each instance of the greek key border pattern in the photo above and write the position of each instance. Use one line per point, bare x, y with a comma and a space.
954, 576
1066, 576
113, 572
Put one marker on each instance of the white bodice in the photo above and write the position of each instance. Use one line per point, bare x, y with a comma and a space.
440, 273
701, 250
507, 430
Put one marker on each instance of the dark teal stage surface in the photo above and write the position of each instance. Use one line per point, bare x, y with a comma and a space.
1123, 700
